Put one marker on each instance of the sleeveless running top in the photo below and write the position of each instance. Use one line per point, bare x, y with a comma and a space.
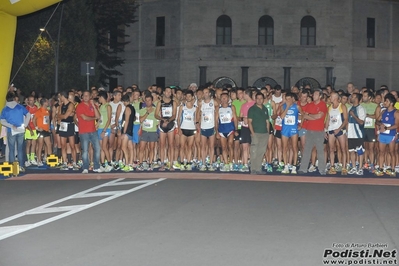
166, 109
208, 115
336, 117
388, 119
226, 119
290, 120
187, 119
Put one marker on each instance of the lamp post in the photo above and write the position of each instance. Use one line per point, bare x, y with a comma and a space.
55, 59
56, 48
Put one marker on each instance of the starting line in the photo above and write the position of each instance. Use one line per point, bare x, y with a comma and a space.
8, 231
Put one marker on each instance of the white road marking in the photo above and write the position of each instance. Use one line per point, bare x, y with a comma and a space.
8, 231
14, 1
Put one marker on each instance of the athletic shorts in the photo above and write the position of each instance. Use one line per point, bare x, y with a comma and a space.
43, 134
355, 144
136, 129
302, 132
107, 133
66, 129
245, 135
369, 135
28, 136
170, 127
130, 138
385, 139
149, 136
340, 133
207, 132
226, 135
277, 133
238, 135
271, 131
188, 132
288, 133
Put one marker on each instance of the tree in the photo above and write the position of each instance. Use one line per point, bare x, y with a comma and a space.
77, 43
111, 18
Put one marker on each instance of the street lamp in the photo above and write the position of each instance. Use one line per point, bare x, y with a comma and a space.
57, 48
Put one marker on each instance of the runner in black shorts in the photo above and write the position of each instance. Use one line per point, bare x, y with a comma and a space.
67, 130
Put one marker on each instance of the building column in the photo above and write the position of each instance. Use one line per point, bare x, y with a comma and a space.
329, 76
287, 78
202, 76
244, 77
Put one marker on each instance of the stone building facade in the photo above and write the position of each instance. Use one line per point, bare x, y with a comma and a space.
254, 42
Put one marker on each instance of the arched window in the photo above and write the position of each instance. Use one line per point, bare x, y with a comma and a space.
308, 31
266, 30
223, 30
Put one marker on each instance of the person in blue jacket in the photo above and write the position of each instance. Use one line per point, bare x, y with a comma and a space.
15, 118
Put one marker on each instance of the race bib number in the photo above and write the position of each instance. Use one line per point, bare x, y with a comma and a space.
279, 121
188, 116
207, 117
333, 119
46, 120
148, 124
167, 111
63, 126
387, 131
289, 120
368, 122
225, 118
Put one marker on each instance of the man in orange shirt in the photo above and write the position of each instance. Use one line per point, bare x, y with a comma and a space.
41, 121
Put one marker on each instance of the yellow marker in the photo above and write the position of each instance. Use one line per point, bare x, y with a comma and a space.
15, 168
52, 160
6, 169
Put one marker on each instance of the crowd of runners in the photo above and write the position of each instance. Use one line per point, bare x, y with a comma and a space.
206, 128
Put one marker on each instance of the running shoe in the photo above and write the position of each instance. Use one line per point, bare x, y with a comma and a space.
140, 167
27, 164
39, 164
75, 167
344, 171
280, 168
244, 169
85, 171
176, 165
293, 170
98, 170
212, 167
126, 168
202, 168
332, 171
189, 167
379, 172
286, 170
359, 172
390, 172
64, 167
33, 162
352, 171
108, 168
312, 168
269, 168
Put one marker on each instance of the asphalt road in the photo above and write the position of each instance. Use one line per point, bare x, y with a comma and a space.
198, 222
